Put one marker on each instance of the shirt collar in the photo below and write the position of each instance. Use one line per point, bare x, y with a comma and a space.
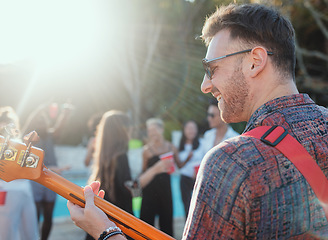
274, 105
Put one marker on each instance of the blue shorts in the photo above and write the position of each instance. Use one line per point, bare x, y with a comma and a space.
42, 194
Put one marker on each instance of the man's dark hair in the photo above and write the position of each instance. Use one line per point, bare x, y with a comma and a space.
254, 24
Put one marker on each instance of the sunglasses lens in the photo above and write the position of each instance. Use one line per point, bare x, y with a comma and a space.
208, 73
207, 69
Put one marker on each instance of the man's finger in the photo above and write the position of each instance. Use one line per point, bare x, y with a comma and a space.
75, 210
101, 193
89, 196
95, 187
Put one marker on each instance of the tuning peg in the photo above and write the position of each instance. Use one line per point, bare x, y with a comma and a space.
31, 138
11, 131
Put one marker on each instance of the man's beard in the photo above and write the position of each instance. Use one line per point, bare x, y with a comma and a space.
235, 97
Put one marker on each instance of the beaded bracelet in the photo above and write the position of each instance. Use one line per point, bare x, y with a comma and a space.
112, 234
111, 231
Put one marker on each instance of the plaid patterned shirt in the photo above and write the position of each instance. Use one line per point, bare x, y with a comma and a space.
246, 189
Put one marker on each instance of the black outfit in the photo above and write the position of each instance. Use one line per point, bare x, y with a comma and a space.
123, 195
186, 187
157, 200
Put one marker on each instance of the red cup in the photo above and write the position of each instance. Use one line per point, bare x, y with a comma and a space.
3, 195
196, 169
53, 110
168, 157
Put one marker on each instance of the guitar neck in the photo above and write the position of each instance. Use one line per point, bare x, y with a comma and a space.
129, 224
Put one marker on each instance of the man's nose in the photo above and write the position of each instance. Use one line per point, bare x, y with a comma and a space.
206, 85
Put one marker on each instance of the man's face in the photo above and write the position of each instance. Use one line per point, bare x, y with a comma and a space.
228, 84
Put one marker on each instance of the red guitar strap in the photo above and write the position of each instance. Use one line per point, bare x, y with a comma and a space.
278, 137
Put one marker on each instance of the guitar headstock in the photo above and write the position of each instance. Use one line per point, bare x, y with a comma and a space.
19, 160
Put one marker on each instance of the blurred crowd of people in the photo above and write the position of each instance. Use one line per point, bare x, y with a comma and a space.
160, 158
24, 201
107, 150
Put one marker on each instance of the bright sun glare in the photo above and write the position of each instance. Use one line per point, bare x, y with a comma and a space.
50, 33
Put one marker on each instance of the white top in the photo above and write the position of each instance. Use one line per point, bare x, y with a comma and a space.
18, 217
189, 169
209, 138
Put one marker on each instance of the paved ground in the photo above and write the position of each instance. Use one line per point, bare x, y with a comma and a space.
64, 229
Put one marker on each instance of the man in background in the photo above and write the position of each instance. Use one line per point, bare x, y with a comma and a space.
219, 131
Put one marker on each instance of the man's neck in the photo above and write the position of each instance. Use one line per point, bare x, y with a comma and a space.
279, 91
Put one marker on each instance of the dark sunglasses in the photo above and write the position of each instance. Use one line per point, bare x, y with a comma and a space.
206, 62
211, 115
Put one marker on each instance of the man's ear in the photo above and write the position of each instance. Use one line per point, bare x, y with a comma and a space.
258, 61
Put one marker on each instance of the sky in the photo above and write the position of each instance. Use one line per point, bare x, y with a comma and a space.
59, 51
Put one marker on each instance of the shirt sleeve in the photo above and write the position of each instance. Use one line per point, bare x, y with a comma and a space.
218, 206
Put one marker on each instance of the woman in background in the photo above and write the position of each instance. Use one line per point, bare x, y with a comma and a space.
191, 155
157, 195
111, 165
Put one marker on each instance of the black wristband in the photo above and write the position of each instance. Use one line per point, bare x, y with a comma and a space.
111, 231
101, 237
112, 234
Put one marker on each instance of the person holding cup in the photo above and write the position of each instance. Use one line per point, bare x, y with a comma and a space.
157, 195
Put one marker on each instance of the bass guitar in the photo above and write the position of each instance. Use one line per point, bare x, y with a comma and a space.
23, 161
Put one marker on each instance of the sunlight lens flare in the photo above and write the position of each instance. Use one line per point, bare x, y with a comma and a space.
50, 33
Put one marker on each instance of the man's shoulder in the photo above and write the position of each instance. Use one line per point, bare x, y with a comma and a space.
236, 143
323, 110
237, 149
